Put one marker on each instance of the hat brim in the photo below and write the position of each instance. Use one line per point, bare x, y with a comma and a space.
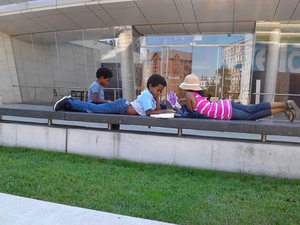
193, 87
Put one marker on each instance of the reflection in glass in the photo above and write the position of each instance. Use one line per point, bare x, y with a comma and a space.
204, 65
51, 65
277, 61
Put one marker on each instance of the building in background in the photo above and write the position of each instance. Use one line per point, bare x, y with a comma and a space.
174, 68
237, 61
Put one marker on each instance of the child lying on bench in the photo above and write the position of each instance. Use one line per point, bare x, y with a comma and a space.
228, 110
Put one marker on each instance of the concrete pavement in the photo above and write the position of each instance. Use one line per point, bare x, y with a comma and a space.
15, 210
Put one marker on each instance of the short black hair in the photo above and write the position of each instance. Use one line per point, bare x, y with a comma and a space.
104, 72
155, 80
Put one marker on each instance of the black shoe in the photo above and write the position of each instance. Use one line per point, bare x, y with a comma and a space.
62, 104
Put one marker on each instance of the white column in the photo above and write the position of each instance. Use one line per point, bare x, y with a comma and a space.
272, 64
124, 48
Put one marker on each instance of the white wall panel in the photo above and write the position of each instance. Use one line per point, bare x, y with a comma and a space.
86, 20
215, 27
133, 16
165, 29
214, 11
186, 13
161, 14
285, 9
255, 10
60, 22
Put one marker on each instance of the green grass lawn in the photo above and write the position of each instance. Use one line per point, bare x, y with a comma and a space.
157, 192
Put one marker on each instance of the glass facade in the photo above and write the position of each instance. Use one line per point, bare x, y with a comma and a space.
246, 68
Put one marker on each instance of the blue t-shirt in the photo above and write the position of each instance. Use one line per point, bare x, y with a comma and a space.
95, 88
144, 102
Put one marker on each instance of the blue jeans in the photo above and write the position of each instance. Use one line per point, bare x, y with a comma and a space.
116, 107
250, 112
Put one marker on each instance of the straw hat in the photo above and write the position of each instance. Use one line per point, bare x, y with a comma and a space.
191, 82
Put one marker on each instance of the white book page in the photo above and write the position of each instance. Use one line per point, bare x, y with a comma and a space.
163, 115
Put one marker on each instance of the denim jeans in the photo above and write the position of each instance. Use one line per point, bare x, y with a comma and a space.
116, 107
250, 112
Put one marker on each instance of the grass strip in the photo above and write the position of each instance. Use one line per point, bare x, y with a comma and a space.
157, 192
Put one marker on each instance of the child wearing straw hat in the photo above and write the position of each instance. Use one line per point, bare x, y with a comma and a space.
228, 110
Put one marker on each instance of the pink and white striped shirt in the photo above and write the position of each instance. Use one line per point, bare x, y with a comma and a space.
215, 110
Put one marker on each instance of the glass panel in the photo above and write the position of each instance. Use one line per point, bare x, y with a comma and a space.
72, 62
204, 65
100, 49
45, 62
277, 61
196, 39
151, 63
220, 38
235, 70
137, 60
179, 65
124, 51
26, 68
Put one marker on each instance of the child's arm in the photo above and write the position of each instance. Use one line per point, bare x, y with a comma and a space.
182, 101
158, 110
95, 100
190, 100
149, 111
157, 104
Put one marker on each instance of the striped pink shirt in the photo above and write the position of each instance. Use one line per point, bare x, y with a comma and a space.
216, 110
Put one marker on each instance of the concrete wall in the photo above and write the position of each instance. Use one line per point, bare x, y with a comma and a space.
36, 137
251, 157
8, 72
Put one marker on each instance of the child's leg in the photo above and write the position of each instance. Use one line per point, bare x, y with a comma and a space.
276, 105
116, 107
251, 108
243, 115
277, 110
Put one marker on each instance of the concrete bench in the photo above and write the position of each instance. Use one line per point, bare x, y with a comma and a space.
262, 128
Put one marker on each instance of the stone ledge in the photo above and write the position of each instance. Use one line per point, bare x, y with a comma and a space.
238, 126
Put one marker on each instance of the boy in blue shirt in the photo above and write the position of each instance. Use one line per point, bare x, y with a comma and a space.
146, 103
96, 93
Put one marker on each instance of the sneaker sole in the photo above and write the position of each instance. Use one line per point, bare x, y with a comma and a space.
296, 108
55, 105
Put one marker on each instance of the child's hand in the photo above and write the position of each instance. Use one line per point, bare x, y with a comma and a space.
182, 101
170, 111
174, 108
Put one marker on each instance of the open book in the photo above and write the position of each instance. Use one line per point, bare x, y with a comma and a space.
172, 99
163, 115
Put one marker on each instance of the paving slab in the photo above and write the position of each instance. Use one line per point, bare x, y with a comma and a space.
15, 210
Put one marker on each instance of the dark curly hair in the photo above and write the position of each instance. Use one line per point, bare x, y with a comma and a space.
203, 94
155, 80
104, 72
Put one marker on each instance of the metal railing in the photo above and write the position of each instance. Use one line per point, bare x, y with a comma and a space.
58, 90
275, 94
